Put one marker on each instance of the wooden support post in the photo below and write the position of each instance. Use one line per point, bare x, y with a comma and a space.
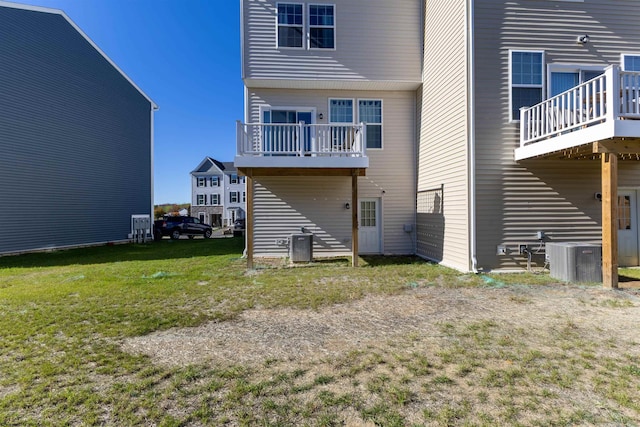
248, 227
609, 220
354, 217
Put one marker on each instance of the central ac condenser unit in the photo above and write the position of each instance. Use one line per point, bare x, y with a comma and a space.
575, 261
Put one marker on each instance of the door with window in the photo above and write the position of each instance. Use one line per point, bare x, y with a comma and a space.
281, 136
369, 227
627, 224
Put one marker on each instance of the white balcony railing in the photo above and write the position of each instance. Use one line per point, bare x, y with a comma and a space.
614, 95
300, 140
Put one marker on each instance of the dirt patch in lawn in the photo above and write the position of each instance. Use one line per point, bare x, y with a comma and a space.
286, 334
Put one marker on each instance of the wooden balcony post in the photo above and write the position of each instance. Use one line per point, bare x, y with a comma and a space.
354, 217
609, 220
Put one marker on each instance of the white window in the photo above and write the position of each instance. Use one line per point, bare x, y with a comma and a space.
341, 111
322, 32
234, 178
215, 181
202, 181
370, 113
317, 31
631, 62
201, 199
215, 199
290, 25
234, 197
526, 71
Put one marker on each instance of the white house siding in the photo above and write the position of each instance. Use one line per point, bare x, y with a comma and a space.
517, 199
376, 40
390, 177
443, 140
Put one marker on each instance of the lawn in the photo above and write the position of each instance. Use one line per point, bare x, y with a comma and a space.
65, 318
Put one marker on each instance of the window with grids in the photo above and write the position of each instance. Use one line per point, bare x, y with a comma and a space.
202, 181
215, 199
215, 181
321, 26
201, 199
290, 25
234, 178
341, 111
234, 197
631, 62
370, 113
624, 212
368, 213
526, 80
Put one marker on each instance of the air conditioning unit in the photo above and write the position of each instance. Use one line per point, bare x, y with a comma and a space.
575, 261
301, 247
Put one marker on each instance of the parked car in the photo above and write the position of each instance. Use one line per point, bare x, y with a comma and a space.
175, 226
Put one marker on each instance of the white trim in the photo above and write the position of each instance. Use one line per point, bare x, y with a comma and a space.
266, 107
308, 29
622, 55
511, 86
152, 161
381, 121
353, 106
83, 34
469, 41
561, 67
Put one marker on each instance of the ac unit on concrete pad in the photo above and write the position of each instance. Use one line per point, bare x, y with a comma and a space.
575, 261
301, 247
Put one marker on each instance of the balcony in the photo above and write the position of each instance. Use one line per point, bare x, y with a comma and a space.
604, 110
301, 146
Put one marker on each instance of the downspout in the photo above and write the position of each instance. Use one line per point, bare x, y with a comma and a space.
472, 135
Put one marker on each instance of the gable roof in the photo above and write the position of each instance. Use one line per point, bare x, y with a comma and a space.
208, 163
82, 33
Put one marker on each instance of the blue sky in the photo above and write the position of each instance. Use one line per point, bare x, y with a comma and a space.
185, 55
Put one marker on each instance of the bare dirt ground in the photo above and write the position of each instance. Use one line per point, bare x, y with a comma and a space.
298, 335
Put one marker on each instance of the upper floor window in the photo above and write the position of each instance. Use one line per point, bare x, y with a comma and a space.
321, 26
215, 199
234, 197
370, 112
631, 62
215, 181
341, 110
525, 79
290, 25
234, 178
202, 181
201, 199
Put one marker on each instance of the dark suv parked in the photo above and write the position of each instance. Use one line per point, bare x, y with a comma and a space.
174, 226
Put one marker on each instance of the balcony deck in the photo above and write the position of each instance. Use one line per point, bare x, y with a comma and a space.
296, 147
585, 120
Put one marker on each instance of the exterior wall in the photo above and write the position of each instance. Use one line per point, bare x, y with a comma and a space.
443, 227
391, 52
75, 138
514, 200
390, 177
240, 206
208, 208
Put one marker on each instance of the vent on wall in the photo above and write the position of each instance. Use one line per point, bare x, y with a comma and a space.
575, 261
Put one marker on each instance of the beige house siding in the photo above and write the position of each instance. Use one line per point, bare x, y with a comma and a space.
389, 178
376, 40
443, 235
514, 200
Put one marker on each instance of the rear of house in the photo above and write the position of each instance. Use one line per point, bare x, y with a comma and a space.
315, 73
76, 137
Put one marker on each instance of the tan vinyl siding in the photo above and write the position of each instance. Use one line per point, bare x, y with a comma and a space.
443, 140
376, 40
390, 177
514, 200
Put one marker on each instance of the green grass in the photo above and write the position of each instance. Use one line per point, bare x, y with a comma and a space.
64, 314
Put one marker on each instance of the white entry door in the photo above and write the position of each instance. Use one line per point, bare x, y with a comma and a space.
627, 228
369, 226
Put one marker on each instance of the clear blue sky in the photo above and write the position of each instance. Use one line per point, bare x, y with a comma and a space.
185, 55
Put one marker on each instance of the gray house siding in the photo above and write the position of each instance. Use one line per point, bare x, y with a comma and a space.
516, 199
443, 155
75, 137
376, 40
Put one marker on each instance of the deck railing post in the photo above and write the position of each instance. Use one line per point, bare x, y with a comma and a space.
612, 87
299, 139
523, 126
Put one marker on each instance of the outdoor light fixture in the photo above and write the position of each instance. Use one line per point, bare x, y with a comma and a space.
347, 206
583, 39
320, 116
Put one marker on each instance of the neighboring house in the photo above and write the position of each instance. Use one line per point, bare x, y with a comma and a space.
443, 167
76, 137
218, 194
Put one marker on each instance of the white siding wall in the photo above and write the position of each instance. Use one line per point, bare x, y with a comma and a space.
376, 40
556, 196
390, 177
443, 139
